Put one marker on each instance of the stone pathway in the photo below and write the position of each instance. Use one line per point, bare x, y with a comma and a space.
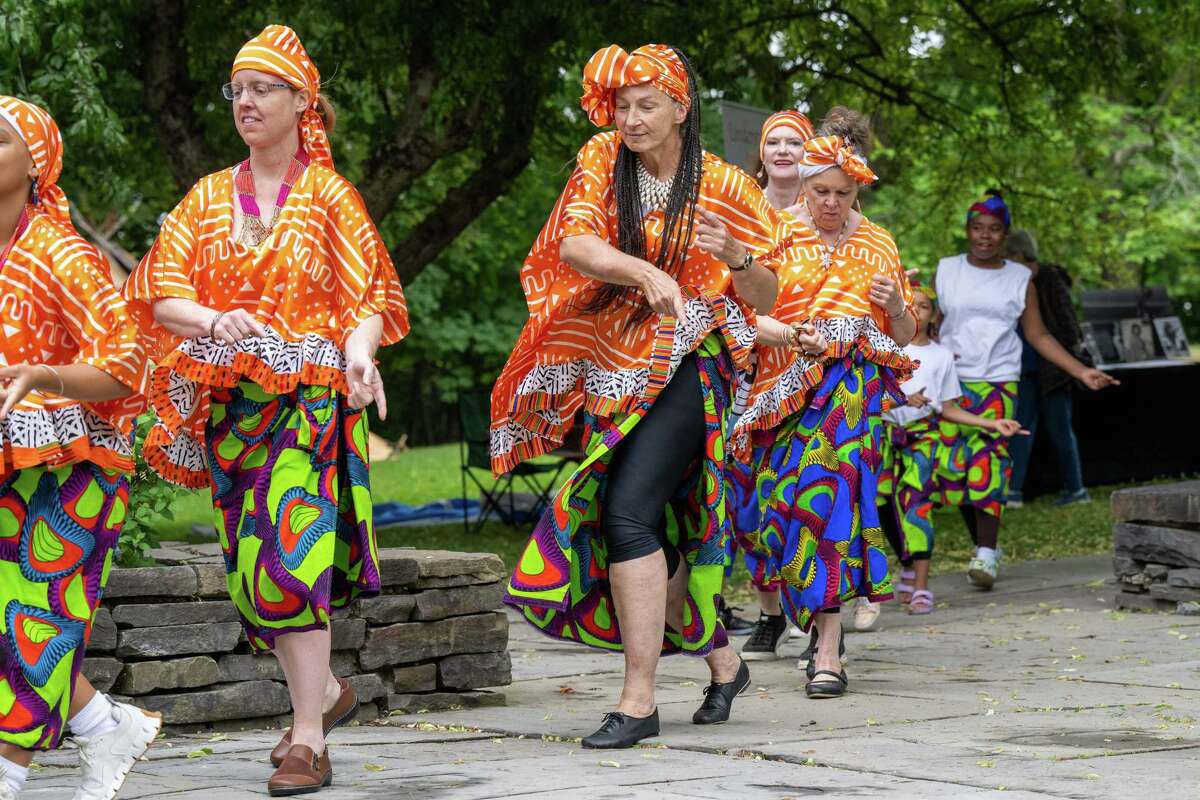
1038, 690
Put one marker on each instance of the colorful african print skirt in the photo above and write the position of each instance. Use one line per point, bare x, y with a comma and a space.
561, 583
819, 530
293, 506
58, 528
907, 477
973, 464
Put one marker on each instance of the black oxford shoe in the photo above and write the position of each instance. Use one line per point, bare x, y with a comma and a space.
621, 730
718, 698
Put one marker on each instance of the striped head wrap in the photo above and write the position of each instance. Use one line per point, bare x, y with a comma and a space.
278, 51
826, 152
40, 134
792, 120
612, 68
992, 204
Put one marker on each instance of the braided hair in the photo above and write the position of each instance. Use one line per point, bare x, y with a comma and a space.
679, 214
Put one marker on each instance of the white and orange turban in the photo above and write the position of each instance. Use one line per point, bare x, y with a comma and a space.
827, 152
792, 120
612, 68
40, 133
278, 51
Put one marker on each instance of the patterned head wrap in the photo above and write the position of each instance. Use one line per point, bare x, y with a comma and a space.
792, 120
992, 204
612, 68
826, 152
40, 133
278, 51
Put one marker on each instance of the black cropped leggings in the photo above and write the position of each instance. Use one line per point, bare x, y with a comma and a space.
648, 468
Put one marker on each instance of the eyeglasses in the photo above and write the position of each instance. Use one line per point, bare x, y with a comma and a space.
232, 91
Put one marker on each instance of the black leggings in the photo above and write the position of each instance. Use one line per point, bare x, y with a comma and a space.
982, 526
648, 467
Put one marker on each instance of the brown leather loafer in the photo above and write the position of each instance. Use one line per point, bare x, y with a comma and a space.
301, 772
341, 713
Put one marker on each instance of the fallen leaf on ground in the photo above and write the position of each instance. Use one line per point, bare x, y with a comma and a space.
201, 753
373, 767
607, 763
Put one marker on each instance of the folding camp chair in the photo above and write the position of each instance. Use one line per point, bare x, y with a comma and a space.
540, 478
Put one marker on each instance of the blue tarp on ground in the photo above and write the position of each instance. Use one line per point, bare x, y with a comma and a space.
439, 512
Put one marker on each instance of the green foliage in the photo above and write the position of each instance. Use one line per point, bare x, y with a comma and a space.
151, 502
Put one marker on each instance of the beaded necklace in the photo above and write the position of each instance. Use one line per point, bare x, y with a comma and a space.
653, 192
254, 231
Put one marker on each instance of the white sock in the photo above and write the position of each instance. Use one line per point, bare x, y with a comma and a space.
94, 719
986, 553
14, 774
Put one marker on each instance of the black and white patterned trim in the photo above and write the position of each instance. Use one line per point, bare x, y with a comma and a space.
282, 356
49, 427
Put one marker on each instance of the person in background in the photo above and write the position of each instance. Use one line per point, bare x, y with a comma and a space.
1044, 393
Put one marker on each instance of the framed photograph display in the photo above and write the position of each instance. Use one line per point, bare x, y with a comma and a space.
1137, 340
1172, 337
1102, 340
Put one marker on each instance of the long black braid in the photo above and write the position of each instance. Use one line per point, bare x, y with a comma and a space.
679, 215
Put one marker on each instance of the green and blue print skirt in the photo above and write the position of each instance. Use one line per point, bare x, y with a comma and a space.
293, 506
974, 466
908, 478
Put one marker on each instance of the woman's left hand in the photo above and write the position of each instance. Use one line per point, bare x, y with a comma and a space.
886, 294
366, 386
714, 238
807, 340
15, 383
1095, 380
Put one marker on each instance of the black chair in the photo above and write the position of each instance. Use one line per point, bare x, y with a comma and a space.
539, 478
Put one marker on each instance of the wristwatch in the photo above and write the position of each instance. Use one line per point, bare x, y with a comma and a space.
746, 262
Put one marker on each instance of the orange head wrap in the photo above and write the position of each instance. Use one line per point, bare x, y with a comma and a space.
40, 133
278, 51
612, 68
826, 152
792, 120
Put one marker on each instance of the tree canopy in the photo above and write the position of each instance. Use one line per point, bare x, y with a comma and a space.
459, 120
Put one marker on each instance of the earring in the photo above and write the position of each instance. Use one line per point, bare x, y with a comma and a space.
33, 191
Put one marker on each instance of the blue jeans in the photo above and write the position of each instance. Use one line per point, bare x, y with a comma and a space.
1055, 408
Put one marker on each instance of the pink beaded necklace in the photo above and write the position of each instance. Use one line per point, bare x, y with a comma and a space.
254, 231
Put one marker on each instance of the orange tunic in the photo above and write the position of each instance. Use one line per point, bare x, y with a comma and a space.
322, 272
836, 302
58, 306
566, 360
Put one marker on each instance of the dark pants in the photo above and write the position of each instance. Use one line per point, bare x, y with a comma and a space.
648, 467
1054, 408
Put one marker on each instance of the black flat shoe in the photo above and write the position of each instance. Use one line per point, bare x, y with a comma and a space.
822, 688
810, 668
621, 730
718, 698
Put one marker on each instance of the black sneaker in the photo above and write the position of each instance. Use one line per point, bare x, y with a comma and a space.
734, 625
770, 632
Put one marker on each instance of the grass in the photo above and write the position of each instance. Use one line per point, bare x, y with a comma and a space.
1040, 530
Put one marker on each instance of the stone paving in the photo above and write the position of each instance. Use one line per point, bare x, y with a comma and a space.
1039, 689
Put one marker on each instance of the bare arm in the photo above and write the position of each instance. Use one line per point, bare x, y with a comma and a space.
189, 319
590, 255
75, 381
1048, 347
953, 412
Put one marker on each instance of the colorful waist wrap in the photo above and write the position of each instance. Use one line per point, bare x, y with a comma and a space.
561, 583
293, 506
907, 478
818, 532
58, 528
973, 464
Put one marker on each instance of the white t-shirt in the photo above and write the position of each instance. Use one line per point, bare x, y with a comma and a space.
936, 378
982, 309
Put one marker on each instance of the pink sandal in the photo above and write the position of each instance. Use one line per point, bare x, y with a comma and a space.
921, 603
903, 587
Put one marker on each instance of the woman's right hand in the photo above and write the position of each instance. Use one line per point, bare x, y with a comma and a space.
918, 399
236, 325
662, 291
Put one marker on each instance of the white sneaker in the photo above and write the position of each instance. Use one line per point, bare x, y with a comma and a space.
105, 760
982, 572
866, 614
6, 792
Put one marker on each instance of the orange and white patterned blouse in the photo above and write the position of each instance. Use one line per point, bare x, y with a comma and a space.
836, 301
323, 270
566, 359
58, 306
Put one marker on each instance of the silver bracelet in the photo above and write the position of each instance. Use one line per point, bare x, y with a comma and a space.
62, 387
903, 311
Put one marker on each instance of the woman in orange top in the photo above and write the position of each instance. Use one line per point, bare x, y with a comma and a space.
639, 287
72, 377
275, 290
816, 424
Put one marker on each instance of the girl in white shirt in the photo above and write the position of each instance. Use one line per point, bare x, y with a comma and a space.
909, 450
984, 297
